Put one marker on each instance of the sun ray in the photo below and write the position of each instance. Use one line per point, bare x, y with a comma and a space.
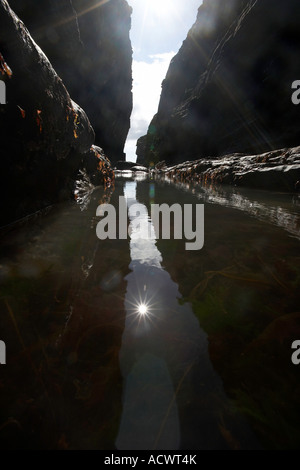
76, 15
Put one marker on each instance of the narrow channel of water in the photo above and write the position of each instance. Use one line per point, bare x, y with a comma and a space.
142, 344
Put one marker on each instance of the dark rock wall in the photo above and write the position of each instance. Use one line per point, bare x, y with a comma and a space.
229, 87
45, 136
88, 44
141, 147
43, 133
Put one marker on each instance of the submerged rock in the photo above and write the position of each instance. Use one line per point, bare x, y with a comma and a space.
277, 170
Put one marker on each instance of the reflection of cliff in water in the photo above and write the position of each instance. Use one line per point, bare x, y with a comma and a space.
278, 209
164, 358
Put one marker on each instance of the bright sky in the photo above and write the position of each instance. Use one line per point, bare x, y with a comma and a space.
158, 29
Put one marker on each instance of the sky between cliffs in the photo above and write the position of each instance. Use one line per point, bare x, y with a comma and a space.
158, 29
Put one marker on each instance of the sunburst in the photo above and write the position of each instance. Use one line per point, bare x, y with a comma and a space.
142, 309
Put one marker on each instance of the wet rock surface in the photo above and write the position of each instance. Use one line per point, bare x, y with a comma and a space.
130, 166
140, 168
98, 167
121, 165
43, 132
277, 170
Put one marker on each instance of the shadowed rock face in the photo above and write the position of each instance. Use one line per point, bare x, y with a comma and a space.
141, 147
45, 136
43, 132
229, 87
88, 44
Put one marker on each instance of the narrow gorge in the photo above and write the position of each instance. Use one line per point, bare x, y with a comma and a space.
149, 308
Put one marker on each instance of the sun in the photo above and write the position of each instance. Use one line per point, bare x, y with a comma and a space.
142, 309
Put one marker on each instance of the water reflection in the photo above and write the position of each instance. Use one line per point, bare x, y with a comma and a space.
282, 210
163, 349
277, 215
149, 389
62, 320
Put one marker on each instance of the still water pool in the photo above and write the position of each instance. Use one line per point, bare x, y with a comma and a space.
141, 344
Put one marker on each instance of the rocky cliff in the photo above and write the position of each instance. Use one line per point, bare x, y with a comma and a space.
88, 45
45, 136
279, 169
229, 89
